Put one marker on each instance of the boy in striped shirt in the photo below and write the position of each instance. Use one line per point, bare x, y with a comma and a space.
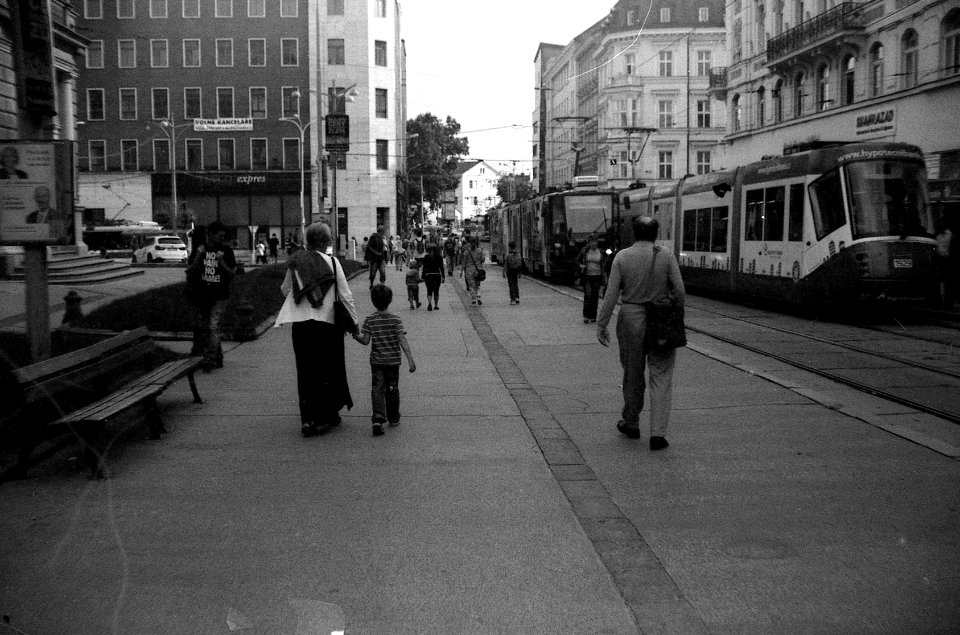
385, 331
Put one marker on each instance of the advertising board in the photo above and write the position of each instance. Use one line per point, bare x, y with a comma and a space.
36, 192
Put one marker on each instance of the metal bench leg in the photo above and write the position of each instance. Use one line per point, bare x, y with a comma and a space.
193, 387
154, 421
94, 448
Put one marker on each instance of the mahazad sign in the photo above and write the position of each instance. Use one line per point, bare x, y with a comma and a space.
876, 123
240, 124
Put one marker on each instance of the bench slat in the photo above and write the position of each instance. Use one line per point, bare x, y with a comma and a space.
170, 372
87, 354
111, 405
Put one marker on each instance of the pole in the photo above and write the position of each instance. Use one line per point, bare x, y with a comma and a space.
423, 213
334, 217
173, 175
303, 227
630, 156
688, 104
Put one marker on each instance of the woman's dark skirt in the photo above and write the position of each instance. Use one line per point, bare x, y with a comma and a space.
321, 372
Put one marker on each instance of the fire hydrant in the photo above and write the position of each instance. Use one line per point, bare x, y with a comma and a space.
72, 311
245, 328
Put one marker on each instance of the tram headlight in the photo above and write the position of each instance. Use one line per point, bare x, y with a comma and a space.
863, 264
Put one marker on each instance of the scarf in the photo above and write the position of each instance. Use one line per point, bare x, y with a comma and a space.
316, 274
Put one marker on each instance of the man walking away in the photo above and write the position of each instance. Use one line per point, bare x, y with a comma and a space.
640, 274
375, 254
511, 271
274, 244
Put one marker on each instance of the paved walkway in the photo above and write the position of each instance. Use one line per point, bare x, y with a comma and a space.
505, 502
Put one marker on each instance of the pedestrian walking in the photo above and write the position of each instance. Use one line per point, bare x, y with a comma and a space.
413, 284
639, 274
385, 333
314, 280
592, 267
433, 277
419, 247
473, 272
450, 251
261, 251
375, 255
209, 274
409, 247
512, 268
274, 244
399, 252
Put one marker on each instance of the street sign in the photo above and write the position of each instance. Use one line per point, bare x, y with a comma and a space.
337, 133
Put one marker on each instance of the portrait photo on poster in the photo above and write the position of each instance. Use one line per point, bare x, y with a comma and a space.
31, 200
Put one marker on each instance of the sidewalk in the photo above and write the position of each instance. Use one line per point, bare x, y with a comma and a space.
505, 502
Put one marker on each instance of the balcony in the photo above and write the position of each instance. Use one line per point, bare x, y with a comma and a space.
718, 83
828, 30
625, 81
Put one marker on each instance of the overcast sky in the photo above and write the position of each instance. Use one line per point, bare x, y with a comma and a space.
473, 61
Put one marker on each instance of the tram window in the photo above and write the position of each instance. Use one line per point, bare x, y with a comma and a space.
827, 202
690, 230
703, 229
887, 198
795, 228
754, 220
718, 229
773, 210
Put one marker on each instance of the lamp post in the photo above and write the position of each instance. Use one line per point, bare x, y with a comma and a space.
302, 127
169, 129
631, 130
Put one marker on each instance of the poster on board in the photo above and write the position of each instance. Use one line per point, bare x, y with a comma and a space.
36, 194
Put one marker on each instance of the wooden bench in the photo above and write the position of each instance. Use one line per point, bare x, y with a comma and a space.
82, 391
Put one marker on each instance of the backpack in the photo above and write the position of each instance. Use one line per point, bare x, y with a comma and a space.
421, 247
405, 244
514, 262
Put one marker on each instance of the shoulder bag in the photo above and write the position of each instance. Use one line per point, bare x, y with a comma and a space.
481, 274
664, 323
341, 315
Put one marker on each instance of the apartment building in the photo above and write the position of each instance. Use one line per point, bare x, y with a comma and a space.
224, 102
476, 190
627, 100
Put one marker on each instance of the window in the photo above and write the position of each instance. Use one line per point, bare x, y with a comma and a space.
703, 113
95, 105
631, 17
129, 159
93, 10
703, 14
97, 155
224, 52
194, 155
910, 46
161, 103
256, 52
192, 103
128, 104
380, 53
291, 154
158, 8
826, 199
823, 88
127, 53
191, 53
223, 8
334, 7
777, 96
381, 103
876, 70
258, 102
704, 62
95, 54
224, 103
737, 113
665, 14
666, 63
665, 113
703, 161
258, 154
191, 8
161, 155
291, 104
289, 51
126, 9
629, 63
761, 106
288, 8
381, 8
382, 159
226, 154
665, 164
795, 220
798, 89
256, 8
849, 80
159, 54
625, 113
336, 54
950, 42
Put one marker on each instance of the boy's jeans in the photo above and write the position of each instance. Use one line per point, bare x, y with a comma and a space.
413, 294
385, 392
512, 278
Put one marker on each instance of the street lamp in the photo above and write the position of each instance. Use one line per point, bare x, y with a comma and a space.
169, 129
302, 127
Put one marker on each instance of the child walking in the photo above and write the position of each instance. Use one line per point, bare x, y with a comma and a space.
385, 331
413, 284
511, 271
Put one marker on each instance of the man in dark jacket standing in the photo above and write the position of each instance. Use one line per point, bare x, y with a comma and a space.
209, 275
375, 255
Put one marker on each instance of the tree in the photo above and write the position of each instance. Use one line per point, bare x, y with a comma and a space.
434, 154
514, 187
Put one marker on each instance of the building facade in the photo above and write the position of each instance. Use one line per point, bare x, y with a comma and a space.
828, 71
627, 100
477, 189
224, 101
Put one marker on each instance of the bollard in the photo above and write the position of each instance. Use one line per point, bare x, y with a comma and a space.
245, 328
72, 311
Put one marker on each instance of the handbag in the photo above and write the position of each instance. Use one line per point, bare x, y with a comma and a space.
664, 321
341, 315
481, 274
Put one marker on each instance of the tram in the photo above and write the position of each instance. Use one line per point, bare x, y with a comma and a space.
550, 230
120, 239
831, 225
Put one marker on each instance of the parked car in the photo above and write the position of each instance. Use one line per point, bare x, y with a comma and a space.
161, 248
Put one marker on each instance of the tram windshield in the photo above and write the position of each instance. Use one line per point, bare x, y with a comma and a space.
587, 214
889, 198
